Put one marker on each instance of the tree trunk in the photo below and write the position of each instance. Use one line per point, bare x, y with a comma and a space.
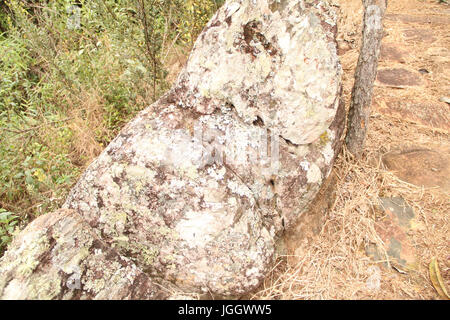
365, 75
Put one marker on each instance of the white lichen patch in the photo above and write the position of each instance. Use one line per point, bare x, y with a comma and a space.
328, 153
139, 173
15, 290
239, 189
217, 174
198, 228
314, 175
305, 165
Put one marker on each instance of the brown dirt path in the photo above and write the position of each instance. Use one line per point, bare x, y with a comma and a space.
392, 210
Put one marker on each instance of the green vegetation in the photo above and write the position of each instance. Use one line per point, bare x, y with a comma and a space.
71, 76
8, 221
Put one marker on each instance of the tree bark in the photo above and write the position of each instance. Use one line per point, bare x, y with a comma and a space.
366, 71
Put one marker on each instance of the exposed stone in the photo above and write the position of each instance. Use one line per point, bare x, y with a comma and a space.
422, 167
420, 19
439, 54
398, 78
393, 228
401, 211
435, 115
392, 52
419, 35
310, 223
196, 190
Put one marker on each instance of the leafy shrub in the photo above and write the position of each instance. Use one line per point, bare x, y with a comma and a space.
8, 222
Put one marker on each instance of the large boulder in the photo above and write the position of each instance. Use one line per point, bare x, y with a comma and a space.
195, 191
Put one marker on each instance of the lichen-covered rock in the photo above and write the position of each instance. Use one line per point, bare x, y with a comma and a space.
198, 187
58, 256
